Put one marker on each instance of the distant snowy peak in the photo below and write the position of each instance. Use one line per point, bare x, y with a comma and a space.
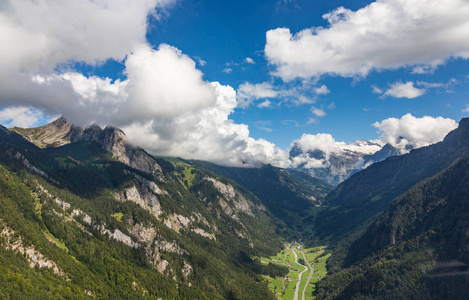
336, 161
364, 147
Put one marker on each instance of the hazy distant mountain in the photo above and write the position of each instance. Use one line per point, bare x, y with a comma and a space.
337, 165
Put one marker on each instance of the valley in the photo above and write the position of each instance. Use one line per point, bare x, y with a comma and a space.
234, 150
306, 266
84, 207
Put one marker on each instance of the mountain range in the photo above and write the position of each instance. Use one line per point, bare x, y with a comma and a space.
98, 217
339, 164
400, 226
84, 214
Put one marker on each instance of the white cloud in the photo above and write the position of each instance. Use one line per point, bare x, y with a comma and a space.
200, 61
410, 132
386, 34
20, 116
423, 69
248, 92
466, 109
155, 81
227, 70
376, 89
318, 112
152, 90
312, 121
301, 99
404, 90
331, 106
287, 93
321, 141
315, 151
322, 90
429, 85
207, 134
265, 104
249, 60
447, 85
38, 35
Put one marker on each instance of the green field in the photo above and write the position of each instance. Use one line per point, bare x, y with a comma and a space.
284, 288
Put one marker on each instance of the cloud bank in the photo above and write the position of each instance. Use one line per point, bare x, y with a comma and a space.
410, 132
386, 34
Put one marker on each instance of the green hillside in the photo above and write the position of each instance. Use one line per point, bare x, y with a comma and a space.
113, 231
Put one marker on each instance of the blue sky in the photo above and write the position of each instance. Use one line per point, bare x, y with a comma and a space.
225, 33
380, 67
221, 32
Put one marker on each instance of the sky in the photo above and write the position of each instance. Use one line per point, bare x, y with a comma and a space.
239, 82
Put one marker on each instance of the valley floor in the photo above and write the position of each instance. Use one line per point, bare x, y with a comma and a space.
306, 267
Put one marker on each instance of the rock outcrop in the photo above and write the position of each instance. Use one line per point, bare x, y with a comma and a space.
240, 203
14, 242
62, 132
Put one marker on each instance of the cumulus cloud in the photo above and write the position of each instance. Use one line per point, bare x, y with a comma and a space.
20, 116
404, 90
410, 132
321, 141
265, 104
248, 92
164, 83
318, 150
249, 60
423, 69
152, 90
200, 61
466, 109
208, 134
376, 90
318, 112
38, 35
386, 34
322, 90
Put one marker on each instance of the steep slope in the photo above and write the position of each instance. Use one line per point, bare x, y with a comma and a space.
185, 233
387, 151
289, 195
417, 249
355, 202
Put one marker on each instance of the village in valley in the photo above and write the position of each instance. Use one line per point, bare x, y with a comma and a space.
306, 267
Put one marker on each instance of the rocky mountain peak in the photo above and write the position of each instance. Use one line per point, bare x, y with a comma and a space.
112, 140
